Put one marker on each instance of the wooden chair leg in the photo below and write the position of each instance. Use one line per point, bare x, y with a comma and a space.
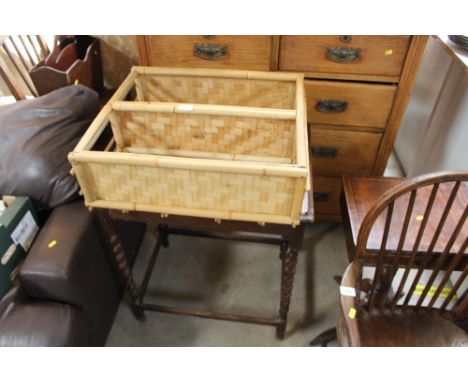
324, 338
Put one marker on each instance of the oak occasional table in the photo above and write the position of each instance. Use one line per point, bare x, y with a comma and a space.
288, 238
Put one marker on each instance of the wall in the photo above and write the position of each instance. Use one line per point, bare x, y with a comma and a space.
119, 54
433, 134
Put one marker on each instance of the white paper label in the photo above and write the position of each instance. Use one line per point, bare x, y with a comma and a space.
347, 291
25, 231
185, 107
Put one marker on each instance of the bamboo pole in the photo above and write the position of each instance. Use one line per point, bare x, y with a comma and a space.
139, 86
238, 111
116, 131
82, 178
124, 88
223, 73
109, 144
211, 214
97, 126
206, 155
165, 107
300, 111
192, 72
91, 135
275, 76
306, 149
212, 165
178, 108
296, 206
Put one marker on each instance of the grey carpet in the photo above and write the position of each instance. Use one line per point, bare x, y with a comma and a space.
235, 277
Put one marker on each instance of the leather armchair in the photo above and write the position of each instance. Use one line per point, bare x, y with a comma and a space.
67, 294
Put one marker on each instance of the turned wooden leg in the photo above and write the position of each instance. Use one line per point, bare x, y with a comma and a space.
114, 247
288, 270
288, 258
163, 235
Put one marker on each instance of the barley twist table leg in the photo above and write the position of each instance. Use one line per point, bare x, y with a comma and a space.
116, 250
288, 270
163, 235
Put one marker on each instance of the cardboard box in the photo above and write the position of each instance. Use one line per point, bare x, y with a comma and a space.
18, 228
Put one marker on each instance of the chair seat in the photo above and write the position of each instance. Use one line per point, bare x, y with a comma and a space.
406, 329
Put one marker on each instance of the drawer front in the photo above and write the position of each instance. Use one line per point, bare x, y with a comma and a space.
229, 52
365, 55
327, 191
338, 152
347, 103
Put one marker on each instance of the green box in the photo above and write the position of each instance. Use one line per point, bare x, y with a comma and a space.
18, 228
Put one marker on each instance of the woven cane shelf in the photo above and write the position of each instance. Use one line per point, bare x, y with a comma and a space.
221, 144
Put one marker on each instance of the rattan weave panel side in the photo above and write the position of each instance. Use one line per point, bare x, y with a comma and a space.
219, 91
207, 133
191, 189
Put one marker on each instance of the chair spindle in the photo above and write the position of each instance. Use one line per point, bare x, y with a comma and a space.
378, 269
414, 251
443, 257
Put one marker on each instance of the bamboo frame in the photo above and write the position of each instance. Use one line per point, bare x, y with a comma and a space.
235, 167
97, 126
222, 73
301, 123
207, 155
295, 167
180, 108
213, 214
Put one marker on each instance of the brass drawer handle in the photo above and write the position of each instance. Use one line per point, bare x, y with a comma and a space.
210, 51
343, 54
331, 106
320, 197
324, 152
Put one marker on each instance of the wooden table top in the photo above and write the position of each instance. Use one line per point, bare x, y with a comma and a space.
362, 193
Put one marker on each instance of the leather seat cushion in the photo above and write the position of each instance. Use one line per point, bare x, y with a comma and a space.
29, 322
408, 329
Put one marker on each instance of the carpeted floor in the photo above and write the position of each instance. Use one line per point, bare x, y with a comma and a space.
234, 277
240, 278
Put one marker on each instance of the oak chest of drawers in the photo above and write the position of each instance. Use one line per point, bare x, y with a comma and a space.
357, 89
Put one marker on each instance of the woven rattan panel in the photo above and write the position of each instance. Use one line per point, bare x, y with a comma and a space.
191, 189
219, 91
207, 133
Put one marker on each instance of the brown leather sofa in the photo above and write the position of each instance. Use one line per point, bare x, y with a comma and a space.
66, 295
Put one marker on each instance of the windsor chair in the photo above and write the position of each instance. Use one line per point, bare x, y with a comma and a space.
406, 284
18, 54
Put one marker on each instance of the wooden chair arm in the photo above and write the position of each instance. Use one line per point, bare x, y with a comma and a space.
348, 302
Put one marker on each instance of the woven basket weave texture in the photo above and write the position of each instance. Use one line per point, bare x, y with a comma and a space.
191, 189
219, 91
208, 133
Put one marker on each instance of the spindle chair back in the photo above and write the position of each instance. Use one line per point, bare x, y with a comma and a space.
18, 54
410, 260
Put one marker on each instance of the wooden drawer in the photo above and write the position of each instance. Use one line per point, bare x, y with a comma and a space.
327, 192
337, 151
348, 103
362, 55
228, 52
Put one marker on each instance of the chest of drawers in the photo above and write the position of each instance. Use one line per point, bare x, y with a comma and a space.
357, 90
